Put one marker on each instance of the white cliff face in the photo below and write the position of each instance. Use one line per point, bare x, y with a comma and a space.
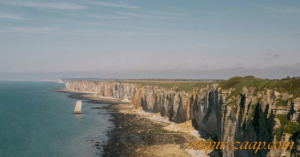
249, 118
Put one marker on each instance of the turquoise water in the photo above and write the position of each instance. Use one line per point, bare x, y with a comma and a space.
36, 122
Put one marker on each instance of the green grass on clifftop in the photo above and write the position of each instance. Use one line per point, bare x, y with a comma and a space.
187, 86
292, 86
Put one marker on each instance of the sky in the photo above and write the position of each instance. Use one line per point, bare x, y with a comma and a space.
196, 39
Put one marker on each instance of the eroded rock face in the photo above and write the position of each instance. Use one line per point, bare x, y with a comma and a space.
251, 116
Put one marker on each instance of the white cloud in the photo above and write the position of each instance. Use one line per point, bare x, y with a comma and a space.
114, 5
107, 17
10, 16
31, 30
292, 10
59, 31
147, 16
132, 14
162, 13
61, 6
289, 10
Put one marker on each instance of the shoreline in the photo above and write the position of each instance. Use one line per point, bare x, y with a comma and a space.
91, 96
140, 133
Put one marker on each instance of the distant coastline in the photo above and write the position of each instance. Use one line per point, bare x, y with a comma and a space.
57, 81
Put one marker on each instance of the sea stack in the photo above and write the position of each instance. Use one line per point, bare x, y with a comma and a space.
78, 107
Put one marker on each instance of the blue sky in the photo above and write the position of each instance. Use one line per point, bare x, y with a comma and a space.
157, 38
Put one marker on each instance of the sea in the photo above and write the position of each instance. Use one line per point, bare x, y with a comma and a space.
37, 122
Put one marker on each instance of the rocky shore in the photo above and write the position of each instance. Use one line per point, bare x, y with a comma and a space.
138, 133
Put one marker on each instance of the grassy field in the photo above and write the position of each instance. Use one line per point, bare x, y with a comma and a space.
186, 86
284, 85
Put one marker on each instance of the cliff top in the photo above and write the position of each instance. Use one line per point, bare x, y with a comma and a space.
187, 86
291, 86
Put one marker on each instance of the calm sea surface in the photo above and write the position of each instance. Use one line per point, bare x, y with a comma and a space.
35, 122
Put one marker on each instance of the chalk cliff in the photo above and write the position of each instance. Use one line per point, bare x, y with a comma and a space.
227, 114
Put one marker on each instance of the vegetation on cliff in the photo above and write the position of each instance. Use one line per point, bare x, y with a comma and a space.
281, 102
285, 85
186, 86
287, 126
